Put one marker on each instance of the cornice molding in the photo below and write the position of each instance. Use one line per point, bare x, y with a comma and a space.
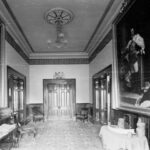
66, 55
44, 59
17, 23
58, 61
104, 42
104, 28
12, 42
99, 24
12, 28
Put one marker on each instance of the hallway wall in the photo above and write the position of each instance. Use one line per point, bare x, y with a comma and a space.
105, 56
102, 60
40, 72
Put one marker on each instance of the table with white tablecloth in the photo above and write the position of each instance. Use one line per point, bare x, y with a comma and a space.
117, 140
6, 129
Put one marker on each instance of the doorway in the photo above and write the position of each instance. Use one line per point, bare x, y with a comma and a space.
59, 98
102, 96
16, 93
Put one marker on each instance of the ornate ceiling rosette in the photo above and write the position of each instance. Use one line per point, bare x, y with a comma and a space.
59, 16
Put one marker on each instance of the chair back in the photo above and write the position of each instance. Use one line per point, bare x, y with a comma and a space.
84, 111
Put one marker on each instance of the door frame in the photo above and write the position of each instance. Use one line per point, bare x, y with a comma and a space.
104, 118
58, 81
13, 75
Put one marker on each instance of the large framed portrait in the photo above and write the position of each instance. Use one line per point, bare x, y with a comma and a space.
131, 34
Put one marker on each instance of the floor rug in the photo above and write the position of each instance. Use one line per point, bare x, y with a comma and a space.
62, 135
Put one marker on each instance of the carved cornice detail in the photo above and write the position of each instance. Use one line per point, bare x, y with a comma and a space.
58, 61
124, 5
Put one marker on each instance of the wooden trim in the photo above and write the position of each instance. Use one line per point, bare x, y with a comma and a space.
103, 71
58, 61
2, 65
94, 100
11, 71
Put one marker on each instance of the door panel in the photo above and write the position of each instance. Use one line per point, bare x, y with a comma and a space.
102, 96
59, 100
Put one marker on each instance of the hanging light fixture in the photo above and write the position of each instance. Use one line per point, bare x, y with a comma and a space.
59, 17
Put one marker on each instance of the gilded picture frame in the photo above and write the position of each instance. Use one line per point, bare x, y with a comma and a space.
131, 40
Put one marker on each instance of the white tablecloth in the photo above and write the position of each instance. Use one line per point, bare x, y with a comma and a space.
6, 129
118, 141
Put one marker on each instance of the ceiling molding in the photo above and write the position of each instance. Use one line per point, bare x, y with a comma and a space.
13, 30
99, 38
99, 24
59, 55
55, 59
104, 42
58, 58
104, 28
18, 39
13, 43
17, 23
58, 61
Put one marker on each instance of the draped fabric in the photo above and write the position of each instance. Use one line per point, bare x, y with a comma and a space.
120, 141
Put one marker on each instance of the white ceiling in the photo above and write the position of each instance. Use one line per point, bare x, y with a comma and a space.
30, 16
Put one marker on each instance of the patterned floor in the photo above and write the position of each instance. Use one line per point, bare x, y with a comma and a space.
63, 135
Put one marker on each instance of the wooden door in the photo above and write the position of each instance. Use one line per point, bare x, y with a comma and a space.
102, 96
59, 100
16, 93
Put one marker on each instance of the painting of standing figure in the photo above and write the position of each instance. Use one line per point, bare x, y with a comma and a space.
130, 63
132, 55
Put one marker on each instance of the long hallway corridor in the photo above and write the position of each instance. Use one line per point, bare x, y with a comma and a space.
63, 135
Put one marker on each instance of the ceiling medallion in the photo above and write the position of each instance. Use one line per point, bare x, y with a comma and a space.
59, 17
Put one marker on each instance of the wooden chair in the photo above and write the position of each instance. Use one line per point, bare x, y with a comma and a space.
27, 129
82, 114
23, 129
37, 114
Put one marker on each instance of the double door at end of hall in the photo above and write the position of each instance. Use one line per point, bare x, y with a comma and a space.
60, 95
